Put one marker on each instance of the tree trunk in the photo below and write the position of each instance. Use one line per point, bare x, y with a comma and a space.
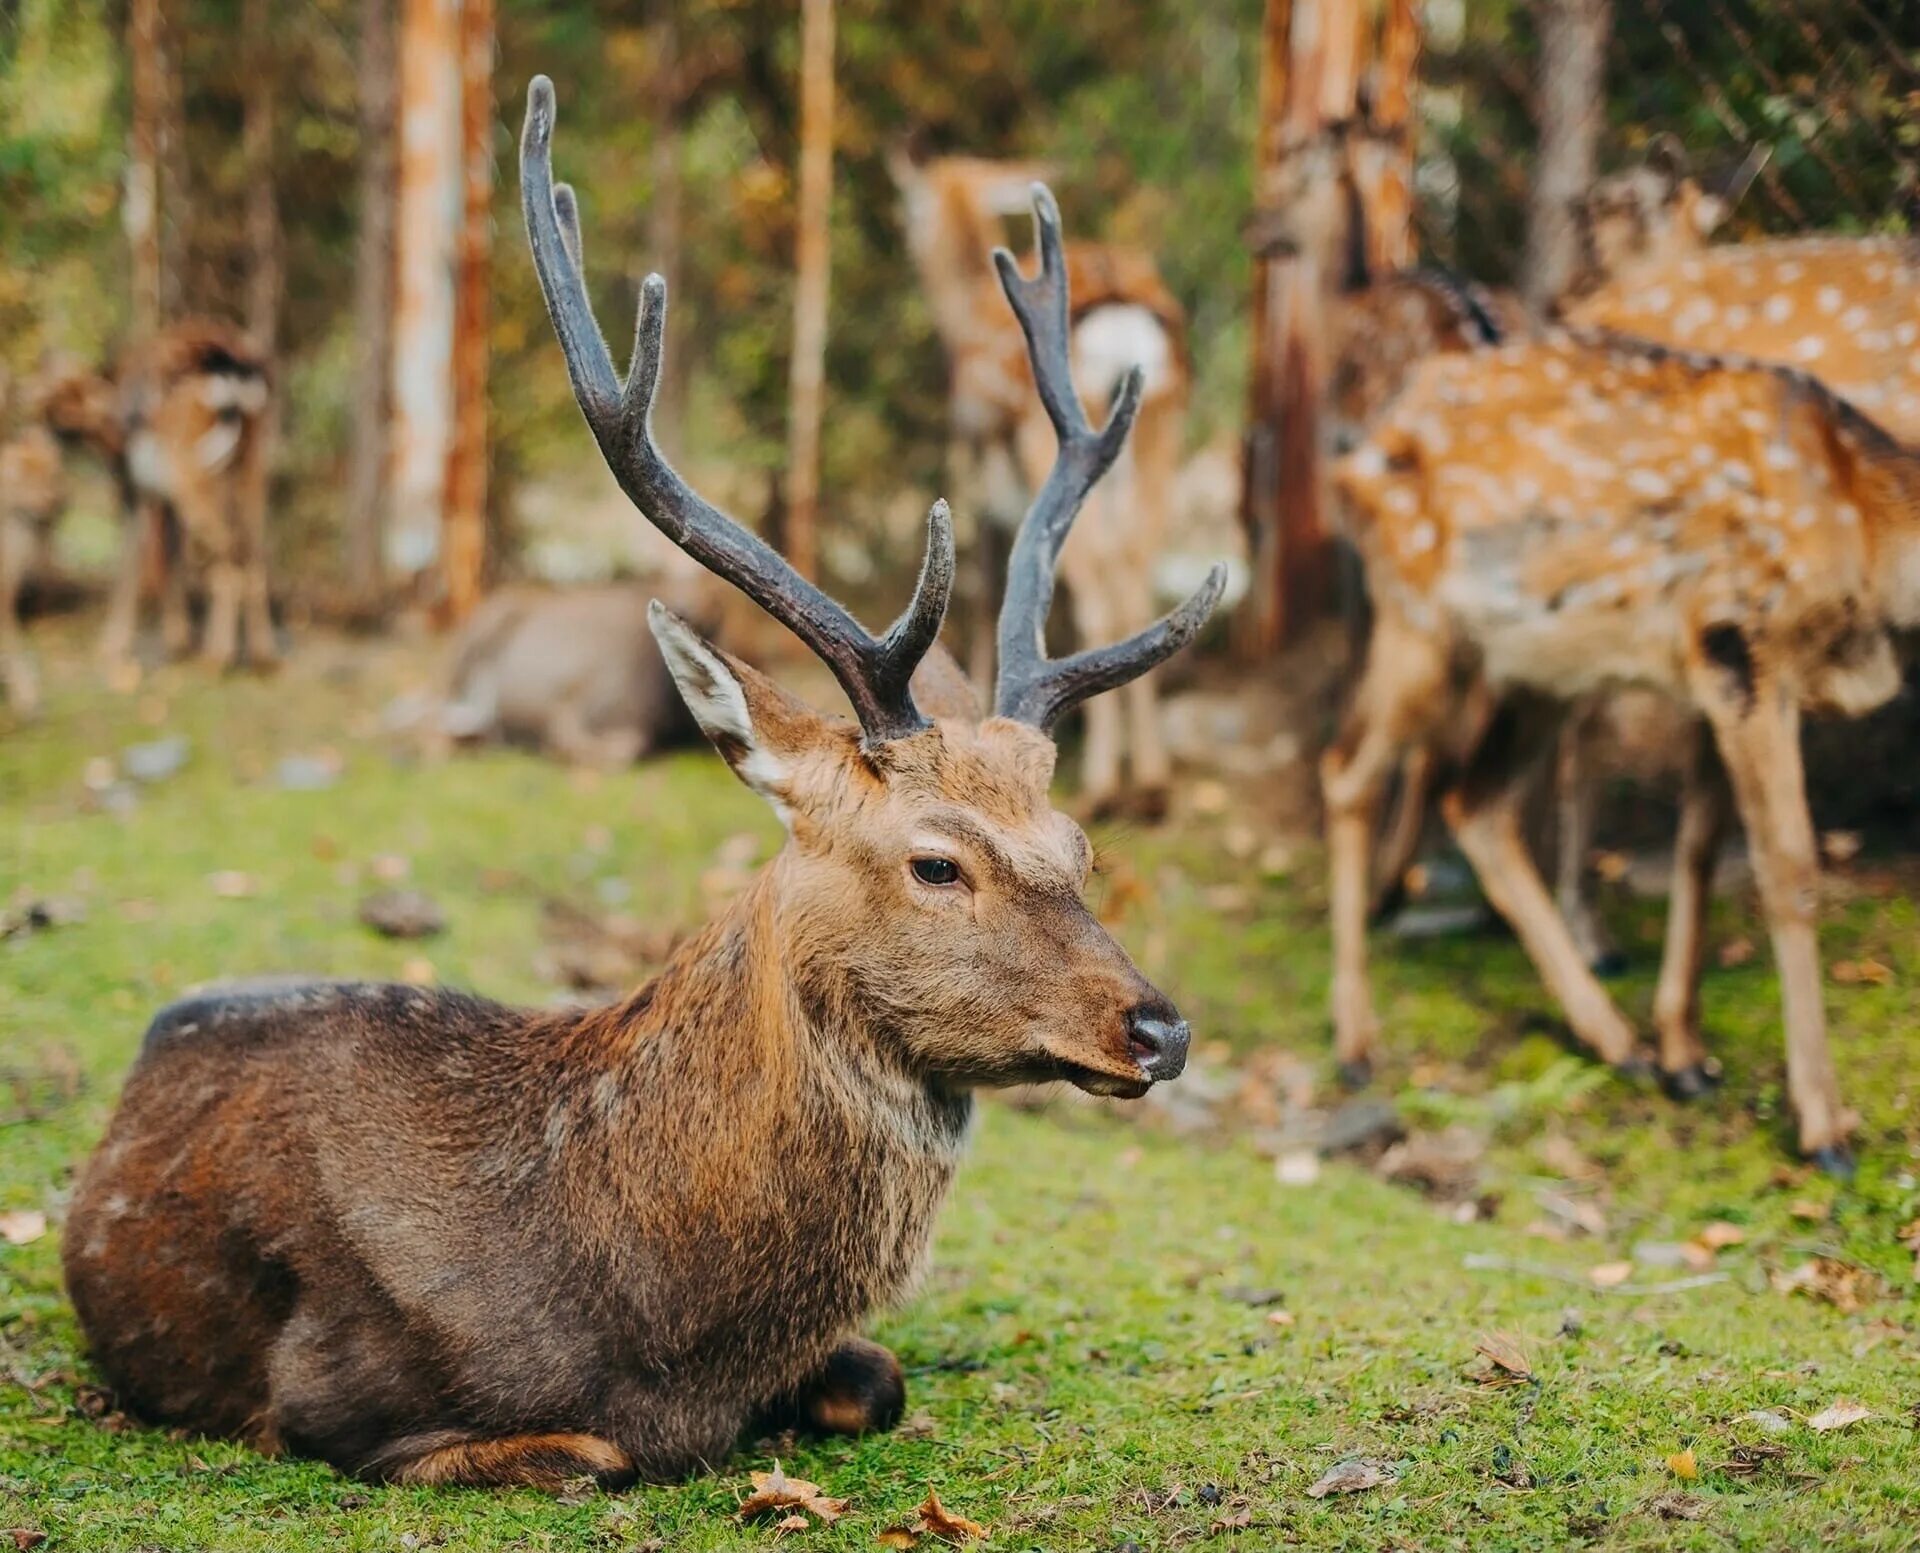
369, 460
665, 229
1336, 81
466, 478
266, 274
1570, 111
140, 209
807, 379
430, 202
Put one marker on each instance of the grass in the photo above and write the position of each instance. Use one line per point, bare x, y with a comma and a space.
1094, 1349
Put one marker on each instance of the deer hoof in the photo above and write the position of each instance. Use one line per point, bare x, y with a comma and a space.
1356, 1074
1690, 1082
1637, 1069
1835, 1160
1609, 965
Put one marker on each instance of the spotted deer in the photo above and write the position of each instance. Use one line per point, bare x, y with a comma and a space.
33, 494
1581, 512
435, 1240
178, 421
1123, 316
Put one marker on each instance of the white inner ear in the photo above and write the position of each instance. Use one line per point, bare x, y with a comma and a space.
719, 705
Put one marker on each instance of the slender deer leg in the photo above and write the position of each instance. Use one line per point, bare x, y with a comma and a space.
1686, 1069
1149, 771
1094, 626
1758, 728
263, 648
16, 551
123, 605
176, 621
221, 643
1400, 842
1575, 799
546, 1461
859, 1390
1486, 812
1399, 698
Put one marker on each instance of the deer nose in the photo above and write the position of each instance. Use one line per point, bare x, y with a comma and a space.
1158, 1037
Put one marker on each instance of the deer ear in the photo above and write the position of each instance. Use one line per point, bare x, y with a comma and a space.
759, 730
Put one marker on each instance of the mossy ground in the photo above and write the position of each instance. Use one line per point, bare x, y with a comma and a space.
1084, 1349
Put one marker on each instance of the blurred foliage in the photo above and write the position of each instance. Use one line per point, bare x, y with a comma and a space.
1145, 111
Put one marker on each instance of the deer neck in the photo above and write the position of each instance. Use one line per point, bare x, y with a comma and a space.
951, 241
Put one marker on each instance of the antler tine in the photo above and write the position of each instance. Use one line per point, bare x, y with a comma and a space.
1030, 687
874, 671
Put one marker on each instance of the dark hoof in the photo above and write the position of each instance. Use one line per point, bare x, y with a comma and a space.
1690, 1083
1635, 1070
1610, 965
1388, 904
1356, 1074
1835, 1160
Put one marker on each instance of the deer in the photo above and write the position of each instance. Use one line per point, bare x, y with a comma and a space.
33, 495
178, 421
431, 1239
1123, 315
1582, 511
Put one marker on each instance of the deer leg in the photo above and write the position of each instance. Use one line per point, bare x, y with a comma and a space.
1686, 1070
1575, 798
1100, 755
1151, 772
1757, 726
545, 1461
123, 604
176, 621
860, 1390
23, 686
221, 644
1405, 826
1486, 812
263, 648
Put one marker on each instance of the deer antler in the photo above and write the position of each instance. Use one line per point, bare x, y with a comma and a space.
873, 671
1033, 688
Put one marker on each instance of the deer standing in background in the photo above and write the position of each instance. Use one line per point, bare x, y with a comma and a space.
1581, 512
1123, 317
435, 1240
33, 494
179, 424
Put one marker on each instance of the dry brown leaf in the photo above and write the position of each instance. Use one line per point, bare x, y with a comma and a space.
1611, 867
1811, 1212
1506, 1357
776, 1491
1840, 846
794, 1522
1735, 952
897, 1537
1846, 1287
1853, 973
1350, 1477
1676, 1506
1609, 1275
1682, 1465
1718, 1235
938, 1521
1280, 1318
26, 1538
1746, 1460
230, 884
22, 1226
1842, 1412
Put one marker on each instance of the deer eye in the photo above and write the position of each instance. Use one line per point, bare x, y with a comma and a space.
935, 870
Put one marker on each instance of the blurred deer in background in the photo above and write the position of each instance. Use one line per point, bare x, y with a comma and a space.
33, 494
179, 424
1580, 512
1123, 317
435, 1240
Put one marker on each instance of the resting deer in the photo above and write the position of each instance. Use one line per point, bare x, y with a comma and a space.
1582, 512
1123, 315
33, 494
435, 1240
179, 423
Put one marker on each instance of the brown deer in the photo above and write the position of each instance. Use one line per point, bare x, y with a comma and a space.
179, 422
1581, 512
435, 1240
33, 494
1123, 316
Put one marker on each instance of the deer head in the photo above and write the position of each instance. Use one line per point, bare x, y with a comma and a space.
928, 893
1659, 211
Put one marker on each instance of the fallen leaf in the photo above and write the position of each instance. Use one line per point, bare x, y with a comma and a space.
1280, 1318
794, 1522
1350, 1477
1746, 1460
1611, 867
1504, 1352
918, 1425
776, 1491
402, 914
1301, 1167
1842, 1412
897, 1537
230, 884
22, 1226
419, 973
1609, 1275
26, 1537
1772, 1422
1840, 846
1675, 1506
1718, 1235
1682, 1465
1735, 952
1811, 1212
1853, 973
1841, 1284
938, 1521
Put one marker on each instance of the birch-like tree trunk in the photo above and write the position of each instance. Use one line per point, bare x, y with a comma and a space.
807, 377
140, 206
1570, 112
368, 465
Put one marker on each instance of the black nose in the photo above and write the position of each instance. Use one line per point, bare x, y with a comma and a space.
1159, 1038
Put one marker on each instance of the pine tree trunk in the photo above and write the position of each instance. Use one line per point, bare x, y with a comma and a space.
266, 275
807, 378
466, 478
369, 459
1570, 111
428, 221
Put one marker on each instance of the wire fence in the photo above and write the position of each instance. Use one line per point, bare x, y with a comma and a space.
1830, 87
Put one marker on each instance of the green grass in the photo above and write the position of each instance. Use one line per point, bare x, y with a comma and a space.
1083, 1348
